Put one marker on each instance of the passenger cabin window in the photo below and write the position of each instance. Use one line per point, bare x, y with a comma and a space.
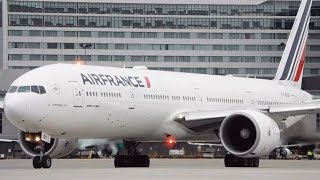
13, 89
25, 89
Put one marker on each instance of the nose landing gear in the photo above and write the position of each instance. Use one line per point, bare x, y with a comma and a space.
133, 158
41, 161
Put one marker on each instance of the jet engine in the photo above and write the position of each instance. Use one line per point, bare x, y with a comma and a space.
249, 133
56, 149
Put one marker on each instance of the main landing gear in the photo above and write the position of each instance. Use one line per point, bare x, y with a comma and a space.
233, 161
41, 161
133, 158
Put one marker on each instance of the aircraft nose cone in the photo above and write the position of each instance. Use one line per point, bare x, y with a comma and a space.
14, 109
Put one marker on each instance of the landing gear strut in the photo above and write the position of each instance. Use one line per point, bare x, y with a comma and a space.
41, 161
133, 158
233, 161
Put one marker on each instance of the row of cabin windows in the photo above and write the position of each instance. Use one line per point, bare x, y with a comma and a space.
166, 97
270, 103
156, 96
104, 94
188, 98
222, 100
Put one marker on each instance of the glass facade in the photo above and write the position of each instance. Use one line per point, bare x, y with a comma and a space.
195, 38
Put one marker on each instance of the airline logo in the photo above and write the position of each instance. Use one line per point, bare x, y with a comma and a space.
114, 80
292, 62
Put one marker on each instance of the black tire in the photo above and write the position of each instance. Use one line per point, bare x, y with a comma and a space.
46, 162
119, 161
256, 162
228, 161
37, 164
250, 162
145, 161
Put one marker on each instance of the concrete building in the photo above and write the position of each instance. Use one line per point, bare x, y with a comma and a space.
205, 36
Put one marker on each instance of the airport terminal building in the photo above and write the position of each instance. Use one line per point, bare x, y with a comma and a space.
213, 36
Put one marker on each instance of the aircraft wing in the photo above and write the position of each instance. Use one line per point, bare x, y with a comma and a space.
1, 106
296, 109
209, 121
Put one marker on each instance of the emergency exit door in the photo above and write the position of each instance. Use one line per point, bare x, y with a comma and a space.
76, 91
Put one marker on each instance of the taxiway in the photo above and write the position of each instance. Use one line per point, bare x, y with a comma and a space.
160, 169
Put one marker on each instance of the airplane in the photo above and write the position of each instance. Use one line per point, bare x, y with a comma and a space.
57, 104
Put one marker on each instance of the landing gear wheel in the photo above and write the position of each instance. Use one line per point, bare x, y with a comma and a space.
233, 161
256, 162
37, 164
46, 162
133, 158
228, 161
131, 161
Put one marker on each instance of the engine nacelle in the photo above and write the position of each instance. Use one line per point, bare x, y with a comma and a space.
56, 149
285, 152
249, 133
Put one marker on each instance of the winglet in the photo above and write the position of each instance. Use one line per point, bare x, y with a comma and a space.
292, 62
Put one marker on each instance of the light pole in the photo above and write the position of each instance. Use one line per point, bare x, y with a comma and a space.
85, 46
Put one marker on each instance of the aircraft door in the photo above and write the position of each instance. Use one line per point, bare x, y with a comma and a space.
77, 95
131, 99
198, 99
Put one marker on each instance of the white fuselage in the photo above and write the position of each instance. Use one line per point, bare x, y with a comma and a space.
92, 106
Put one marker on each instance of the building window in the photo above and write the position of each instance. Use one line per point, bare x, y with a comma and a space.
51, 33
85, 34
68, 45
104, 58
51, 57
52, 45
104, 34
70, 34
69, 57
119, 58
35, 33
151, 35
101, 46
35, 57
15, 57
15, 33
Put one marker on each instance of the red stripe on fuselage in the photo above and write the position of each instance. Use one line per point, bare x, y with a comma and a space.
148, 82
300, 66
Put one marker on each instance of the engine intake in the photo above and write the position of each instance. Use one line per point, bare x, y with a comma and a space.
56, 148
249, 133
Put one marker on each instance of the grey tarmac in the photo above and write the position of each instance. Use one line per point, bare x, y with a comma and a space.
80, 169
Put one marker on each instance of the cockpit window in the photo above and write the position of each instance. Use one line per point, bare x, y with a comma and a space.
42, 90
24, 89
13, 89
35, 89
